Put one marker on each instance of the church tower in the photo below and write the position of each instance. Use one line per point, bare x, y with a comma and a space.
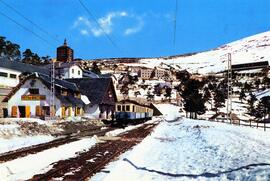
64, 53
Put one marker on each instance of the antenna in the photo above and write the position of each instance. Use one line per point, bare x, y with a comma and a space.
52, 101
229, 100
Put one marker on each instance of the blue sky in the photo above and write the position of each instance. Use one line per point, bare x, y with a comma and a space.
139, 28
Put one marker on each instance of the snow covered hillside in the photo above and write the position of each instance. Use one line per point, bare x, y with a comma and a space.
193, 149
252, 49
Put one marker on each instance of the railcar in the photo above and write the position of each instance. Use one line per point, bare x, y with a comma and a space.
132, 111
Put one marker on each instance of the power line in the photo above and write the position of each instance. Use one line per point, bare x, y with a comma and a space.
25, 28
30, 21
94, 18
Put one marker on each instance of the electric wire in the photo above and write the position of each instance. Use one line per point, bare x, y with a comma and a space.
96, 21
26, 29
30, 21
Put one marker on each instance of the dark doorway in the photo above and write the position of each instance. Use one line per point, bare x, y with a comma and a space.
22, 111
5, 112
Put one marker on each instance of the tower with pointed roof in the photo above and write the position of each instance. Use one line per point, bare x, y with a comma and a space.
64, 53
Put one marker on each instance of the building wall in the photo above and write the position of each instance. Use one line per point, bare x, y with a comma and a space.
16, 100
8, 81
74, 72
92, 111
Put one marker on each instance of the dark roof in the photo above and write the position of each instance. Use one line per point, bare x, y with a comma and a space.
249, 66
22, 67
65, 100
60, 83
59, 65
94, 88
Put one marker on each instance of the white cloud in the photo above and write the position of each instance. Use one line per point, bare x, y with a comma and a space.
106, 24
136, 28
84, 32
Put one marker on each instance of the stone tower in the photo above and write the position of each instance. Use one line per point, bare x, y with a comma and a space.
64, 53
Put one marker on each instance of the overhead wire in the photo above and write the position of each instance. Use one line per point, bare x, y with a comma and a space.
96, 21
26, 28
30, 21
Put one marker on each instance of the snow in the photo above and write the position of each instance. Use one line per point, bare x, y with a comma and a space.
251, 49
192, 149
85, 99
12, 138
20, 142
42, 161
169, 111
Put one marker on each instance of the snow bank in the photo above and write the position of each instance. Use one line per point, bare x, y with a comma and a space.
20, 142
20, 169
169, 111
198, 150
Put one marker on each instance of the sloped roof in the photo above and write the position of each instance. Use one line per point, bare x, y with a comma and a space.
22, 67
66, 100
59, 83
94, 88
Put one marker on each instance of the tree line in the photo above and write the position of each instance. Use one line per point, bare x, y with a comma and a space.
12, 52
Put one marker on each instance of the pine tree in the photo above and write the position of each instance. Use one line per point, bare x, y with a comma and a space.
193, 100
9, 49
219, 99
95, 68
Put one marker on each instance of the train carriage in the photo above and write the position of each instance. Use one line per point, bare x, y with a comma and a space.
132, 111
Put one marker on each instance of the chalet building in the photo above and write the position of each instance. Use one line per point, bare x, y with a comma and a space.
11, 72
64, 53
32, 98
101, 94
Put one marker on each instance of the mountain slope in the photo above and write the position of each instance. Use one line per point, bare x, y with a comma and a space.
251, 49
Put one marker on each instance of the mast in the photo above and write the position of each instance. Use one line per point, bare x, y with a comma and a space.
52, 101
229, 99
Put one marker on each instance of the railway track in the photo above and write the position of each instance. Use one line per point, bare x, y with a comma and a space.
4, 157
88, 163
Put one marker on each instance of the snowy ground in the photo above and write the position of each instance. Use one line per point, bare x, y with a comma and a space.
12, 137
26, 167
198, 150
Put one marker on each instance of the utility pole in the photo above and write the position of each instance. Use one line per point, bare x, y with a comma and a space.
229, 99
52, 101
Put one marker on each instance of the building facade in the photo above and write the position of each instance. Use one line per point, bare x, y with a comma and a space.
32, 98
64, 53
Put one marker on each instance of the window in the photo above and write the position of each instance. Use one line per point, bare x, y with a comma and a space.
79, 72
72, 70
123, 108
127, 108
13, 76
118, 108
3, 74
34, 91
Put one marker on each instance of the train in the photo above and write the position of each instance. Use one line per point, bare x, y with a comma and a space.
129, 111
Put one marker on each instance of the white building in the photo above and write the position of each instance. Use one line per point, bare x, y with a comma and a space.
31, 98
10, 71
67, 70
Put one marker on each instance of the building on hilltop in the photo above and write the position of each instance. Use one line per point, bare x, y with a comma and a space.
64, 53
